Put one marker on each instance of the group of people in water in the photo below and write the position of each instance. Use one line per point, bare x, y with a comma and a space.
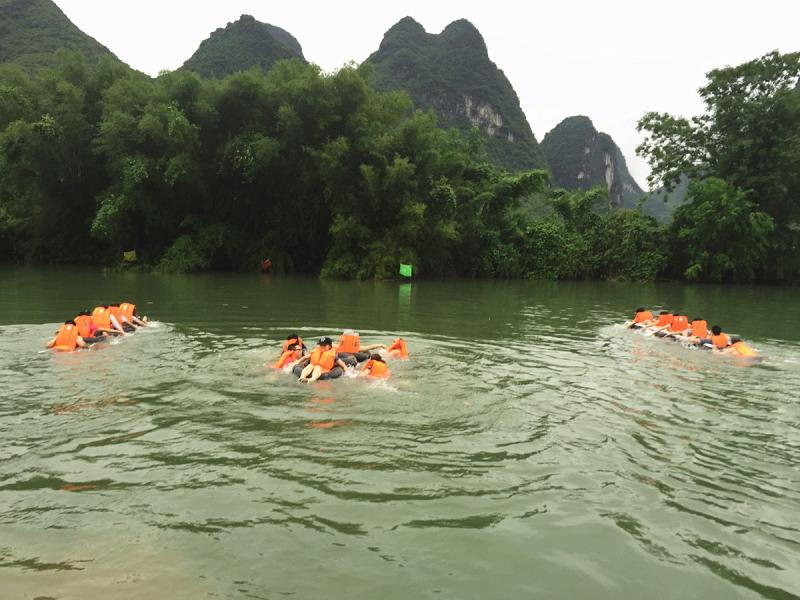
329, 360
102, 323
673, 325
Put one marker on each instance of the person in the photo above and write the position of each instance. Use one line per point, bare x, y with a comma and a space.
664, 320
101, 317
289, 356
291, 339
86, 329
398, 349
718, 340
375, 367
641, 318
117, 321
322, 363
350, 345
128, 312
679, 324
739, 348
67, 338
697, 331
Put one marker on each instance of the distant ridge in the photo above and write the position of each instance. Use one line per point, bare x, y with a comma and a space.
243, 44
32, 30
451, 73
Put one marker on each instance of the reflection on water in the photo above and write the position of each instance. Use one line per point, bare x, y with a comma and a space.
528, 447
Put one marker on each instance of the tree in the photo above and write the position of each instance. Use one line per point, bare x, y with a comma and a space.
750, 137
719, 236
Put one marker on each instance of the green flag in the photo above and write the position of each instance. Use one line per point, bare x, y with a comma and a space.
405, 270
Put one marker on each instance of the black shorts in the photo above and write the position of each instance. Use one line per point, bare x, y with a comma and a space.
334, 373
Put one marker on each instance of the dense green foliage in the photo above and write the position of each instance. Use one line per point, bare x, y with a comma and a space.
32, 30
318, 171
580, 158
440, 71
241, 45
749, 137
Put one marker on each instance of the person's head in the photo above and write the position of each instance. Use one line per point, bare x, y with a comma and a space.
114, 305
377, 357
69, 322
640, 309
295, 347
325, 342
696, 319
84, 313
292, 336
104, 306
716, 330
665, 312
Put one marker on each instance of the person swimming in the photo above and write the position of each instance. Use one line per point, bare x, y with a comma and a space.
641, 318
375, 367
67, 338
350, 345
321, 364
288, 357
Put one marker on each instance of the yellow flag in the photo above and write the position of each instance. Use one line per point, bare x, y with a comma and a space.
129, 256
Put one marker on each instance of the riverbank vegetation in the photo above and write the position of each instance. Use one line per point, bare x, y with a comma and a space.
325, 175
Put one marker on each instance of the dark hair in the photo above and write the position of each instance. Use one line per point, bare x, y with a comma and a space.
638, 310
116, 305
104, 305
84, 313
69, 322
292, 336
294, 347
697, 319
377, 357
665, 312
716, 330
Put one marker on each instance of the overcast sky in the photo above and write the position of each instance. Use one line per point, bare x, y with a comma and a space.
611, 61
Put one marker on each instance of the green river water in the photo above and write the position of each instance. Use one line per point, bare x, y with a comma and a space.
529, 448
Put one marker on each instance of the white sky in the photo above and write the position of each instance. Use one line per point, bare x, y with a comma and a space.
611, 61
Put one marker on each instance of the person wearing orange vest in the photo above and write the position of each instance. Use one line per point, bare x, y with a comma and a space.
663, 321
739, 348
350, 345
101, 317
697, 331
292, 339
398, 349
718, 340
321, 364
679, 324
289, 356
641, 318
128, 316
117, 320
67, 338
87, 329
375, 367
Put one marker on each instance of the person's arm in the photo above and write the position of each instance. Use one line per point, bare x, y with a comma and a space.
81, 344
51, 343
115, 324
373, 347
303, 361
340, 363
137, 321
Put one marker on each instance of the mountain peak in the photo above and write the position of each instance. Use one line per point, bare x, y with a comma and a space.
243, 44
32, 30
581, 157
451, 73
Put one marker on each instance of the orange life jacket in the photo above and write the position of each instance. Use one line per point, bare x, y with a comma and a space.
126, 310
663, 320
66, 338
679, 323
376, 368
101, 317
289, 356
700, 329
350, 343
398, 349
325, 359
645, 315
83, 321
292, 342
720, 341
115, 312
743, 349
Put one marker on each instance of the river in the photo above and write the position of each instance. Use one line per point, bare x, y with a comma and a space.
529, 447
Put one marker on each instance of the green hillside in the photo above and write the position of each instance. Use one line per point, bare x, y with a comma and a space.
243, 44
580, 158
32, 30
451, 73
